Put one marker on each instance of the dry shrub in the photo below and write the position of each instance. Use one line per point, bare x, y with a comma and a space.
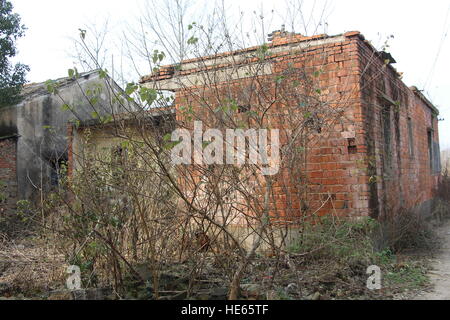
337, 239
406, 229
117, 218
29, 269
443, 190
441, 210
409, 229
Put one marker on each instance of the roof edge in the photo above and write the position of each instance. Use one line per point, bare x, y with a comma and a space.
128, 116
291, 39
11, 136
421, 96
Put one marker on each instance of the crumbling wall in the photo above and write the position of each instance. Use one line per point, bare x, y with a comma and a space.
41, 124
336, 167
379, 152
398, 123
336, 178
8, 176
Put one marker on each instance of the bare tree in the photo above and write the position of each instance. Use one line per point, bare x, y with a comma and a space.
140, 206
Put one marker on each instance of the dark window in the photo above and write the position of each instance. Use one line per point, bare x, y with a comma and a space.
434, 153
387, 135
437, 158
435, 149
57, 170
243, 109
352, 148
430, 147
411, 138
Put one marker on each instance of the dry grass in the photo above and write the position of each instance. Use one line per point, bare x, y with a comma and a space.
328, 262
29, 268
443, 190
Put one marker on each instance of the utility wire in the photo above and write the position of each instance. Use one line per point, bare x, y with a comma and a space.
441, 44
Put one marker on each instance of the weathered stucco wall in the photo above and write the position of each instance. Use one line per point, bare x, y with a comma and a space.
96, 142
41, 124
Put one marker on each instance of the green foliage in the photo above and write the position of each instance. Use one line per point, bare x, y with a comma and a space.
410, 275
279, 79
263, 52
73, 73
158, 56
385, 256
66, 107
191, 26
11, 77
192, 40
52, 86
148, 95
345, 240
24, 210
187, 112
350, 245
102, 73
111, 218
131, 88
171, 144
75, 122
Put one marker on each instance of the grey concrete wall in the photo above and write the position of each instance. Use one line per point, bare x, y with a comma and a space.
41, 123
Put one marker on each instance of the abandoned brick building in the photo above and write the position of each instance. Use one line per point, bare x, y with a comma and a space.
383, 156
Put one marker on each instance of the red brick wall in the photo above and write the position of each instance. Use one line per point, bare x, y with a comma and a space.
400, 174
346, 161
349, 163
334, 181
337, 154
8, 175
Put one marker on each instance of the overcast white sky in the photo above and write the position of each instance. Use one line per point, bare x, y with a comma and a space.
420, 29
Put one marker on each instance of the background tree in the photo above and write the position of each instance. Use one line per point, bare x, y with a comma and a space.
11, 77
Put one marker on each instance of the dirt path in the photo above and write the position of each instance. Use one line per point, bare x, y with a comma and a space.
440, 272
